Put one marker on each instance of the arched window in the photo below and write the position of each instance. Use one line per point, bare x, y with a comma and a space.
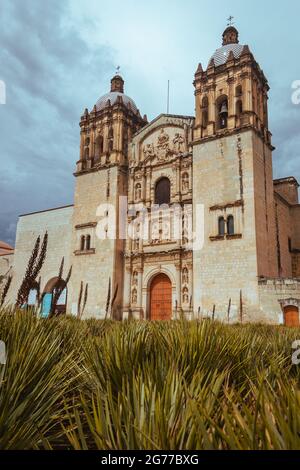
239, 108
204, 107
221, 226
125, 141
162, 191
239, 91
222, 112
82, 243
138, 191
110, 139
99, 146
230, 225
185, 182
88, 242
87, 153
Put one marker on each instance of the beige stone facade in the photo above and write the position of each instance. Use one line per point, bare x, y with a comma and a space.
181, 215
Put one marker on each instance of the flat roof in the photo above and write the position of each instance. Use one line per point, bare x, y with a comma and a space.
46, 210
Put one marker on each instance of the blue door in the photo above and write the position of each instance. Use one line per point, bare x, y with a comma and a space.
46, 305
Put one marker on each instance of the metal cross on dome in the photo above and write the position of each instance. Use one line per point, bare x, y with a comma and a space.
230, 20
118, 69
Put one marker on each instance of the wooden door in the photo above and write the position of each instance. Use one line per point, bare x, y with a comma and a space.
161, 298
291, 316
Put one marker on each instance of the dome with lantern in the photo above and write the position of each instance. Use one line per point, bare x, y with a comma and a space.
230, 44
116, 93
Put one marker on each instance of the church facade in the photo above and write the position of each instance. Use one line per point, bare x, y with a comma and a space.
180, 216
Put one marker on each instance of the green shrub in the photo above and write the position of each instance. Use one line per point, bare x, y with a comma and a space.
91, 384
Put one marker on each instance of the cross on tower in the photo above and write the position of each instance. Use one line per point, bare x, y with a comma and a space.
230, 21
118, 69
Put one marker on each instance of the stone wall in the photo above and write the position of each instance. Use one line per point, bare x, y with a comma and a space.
103, 261
6, 263
6, 268
223, 181
265, 222
285, 233
295, 216
57, 222
272, 291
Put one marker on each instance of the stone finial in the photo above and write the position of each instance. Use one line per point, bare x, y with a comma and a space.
211, 63
230, 56
230, 36
245, 51
145, 118
199, 69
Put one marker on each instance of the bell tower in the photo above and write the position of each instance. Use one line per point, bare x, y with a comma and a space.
101, 178
232, 93
232, 174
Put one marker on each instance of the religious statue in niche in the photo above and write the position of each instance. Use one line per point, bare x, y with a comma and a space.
185, 182
148, 151
163, 148
138, 191
178, 142
185, 276
134, 297
185, 295
135, 278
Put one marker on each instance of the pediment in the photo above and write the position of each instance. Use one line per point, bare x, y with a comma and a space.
161, 140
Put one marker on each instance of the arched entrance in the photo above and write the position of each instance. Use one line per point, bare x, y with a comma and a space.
291, 315
51, 304
161, 298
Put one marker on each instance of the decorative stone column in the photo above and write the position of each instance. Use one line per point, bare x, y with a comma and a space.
148, 185
177, 191
144, 186
105, 137
231, 103
127, 286
190, 268
178, 284
140, 287
211, 110
131, 187
127, 292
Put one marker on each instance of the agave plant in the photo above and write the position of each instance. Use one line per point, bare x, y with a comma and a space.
92, 384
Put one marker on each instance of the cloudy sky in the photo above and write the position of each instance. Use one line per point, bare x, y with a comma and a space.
57, 57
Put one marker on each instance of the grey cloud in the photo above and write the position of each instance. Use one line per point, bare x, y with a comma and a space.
51, 74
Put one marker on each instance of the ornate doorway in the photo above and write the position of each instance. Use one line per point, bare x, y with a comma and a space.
291, 315
161, 298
